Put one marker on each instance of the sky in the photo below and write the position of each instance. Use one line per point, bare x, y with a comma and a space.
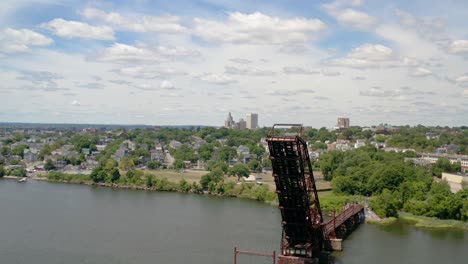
184, 62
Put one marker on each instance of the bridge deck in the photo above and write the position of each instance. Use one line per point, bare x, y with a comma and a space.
339, 219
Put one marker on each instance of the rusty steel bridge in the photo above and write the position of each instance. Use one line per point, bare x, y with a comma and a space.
304, 233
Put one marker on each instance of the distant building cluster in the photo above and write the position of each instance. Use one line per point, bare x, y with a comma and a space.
251, 122
343, 123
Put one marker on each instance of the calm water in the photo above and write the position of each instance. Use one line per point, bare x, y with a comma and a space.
58, 223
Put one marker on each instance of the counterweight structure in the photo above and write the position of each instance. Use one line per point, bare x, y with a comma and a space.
297, 195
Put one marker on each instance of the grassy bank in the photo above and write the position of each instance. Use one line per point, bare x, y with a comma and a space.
330, 201
432, 222
385, 221
151, 182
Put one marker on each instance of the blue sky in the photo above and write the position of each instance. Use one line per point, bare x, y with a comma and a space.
192, 62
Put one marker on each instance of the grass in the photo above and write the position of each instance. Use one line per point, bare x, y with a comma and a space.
174, 176
267, 179
385, 221
432, 222
330, 201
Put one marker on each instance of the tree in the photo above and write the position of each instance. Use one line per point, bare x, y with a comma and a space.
2, 171
115, 175
254, 165
153, 165
19, 172
444, 165
126, 164
98, 175
49, 165
239, 170
386, 204
19, 150
149, 180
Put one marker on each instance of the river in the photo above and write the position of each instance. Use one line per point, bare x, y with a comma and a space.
43, 222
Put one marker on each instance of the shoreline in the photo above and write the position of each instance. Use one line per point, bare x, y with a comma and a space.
415, 220
152, 189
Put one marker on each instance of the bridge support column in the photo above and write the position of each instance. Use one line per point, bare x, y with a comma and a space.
335, 244
296, 260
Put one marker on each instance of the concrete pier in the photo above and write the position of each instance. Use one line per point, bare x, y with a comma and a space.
334, 244
296, 260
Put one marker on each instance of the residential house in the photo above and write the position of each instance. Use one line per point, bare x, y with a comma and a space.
85, 151
359, 143
121, 153
175, 144
30, 155
243, 150
157, 155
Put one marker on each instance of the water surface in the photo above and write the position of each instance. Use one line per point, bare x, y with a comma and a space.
51, 223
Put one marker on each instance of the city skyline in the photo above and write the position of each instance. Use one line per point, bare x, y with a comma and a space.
191, 62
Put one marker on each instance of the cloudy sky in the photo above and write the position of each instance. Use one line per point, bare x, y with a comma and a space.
191, 62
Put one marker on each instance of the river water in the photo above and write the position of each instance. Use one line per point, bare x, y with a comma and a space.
51, 223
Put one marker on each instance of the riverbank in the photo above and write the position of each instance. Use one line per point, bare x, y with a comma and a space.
432, 222
243, 190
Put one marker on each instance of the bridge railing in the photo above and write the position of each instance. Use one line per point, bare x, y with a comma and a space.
341, 218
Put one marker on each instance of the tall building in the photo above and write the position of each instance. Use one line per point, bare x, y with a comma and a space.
343, 122
229, 122
252, 121
242, 124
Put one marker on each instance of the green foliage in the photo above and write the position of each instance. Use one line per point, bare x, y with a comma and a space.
19, 150
444, 165
386, 204
114, 175
126, 164
239, 170
2, 171
184, 185
185, 152
18, 172
254, 165
98, 175
153, 165
217, 164
73, 178
319, 145
49, 165
14, 162
149, 180
81, 141
178, 164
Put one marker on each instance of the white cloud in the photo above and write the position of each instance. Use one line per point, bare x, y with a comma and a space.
122, 53
401, 93
219, 79
425, 27
458, 46
420, 72
299, 70
75, 29
163, 24
140, 72
167, 85
258, 28
350, 17
371, 56
75, 103
21, 40
460, 79
247, 71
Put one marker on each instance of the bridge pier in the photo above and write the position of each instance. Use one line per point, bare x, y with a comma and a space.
333, 244
296, 260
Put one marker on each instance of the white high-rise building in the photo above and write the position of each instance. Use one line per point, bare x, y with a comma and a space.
252, 121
